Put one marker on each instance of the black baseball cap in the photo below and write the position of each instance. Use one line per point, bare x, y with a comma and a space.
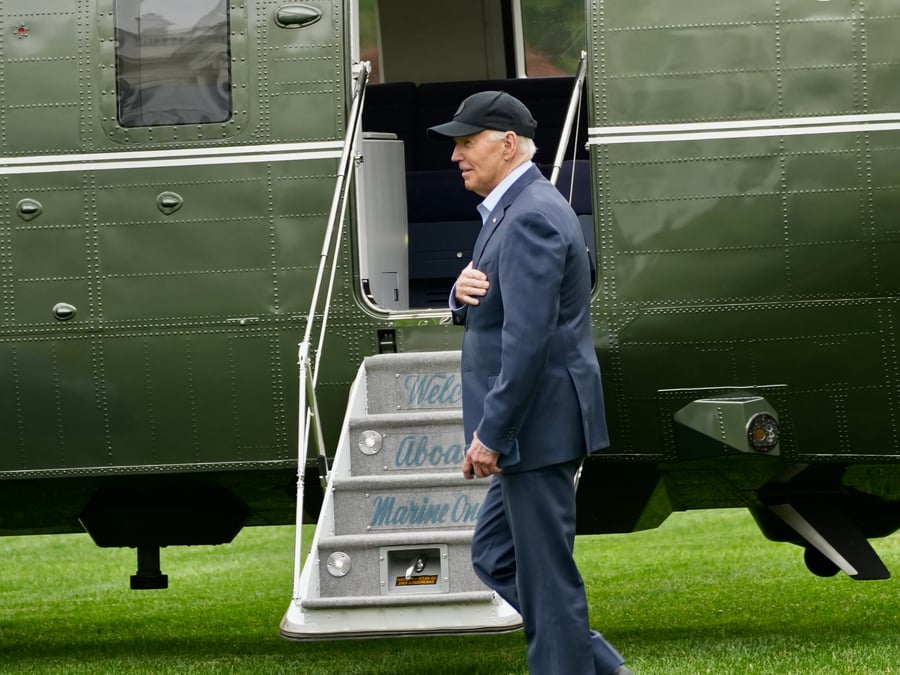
487, 110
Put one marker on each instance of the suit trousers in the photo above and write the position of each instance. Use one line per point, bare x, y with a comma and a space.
522, 548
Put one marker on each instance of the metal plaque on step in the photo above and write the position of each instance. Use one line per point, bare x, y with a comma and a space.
414, 570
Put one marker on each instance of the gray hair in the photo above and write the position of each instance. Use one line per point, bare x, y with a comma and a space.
527, 148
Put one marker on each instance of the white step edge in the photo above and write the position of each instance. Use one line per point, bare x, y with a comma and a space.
456, 618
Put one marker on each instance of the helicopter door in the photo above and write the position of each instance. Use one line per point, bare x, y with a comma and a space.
381, 199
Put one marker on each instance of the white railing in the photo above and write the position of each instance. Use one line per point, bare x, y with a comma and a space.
573, 114
308, 358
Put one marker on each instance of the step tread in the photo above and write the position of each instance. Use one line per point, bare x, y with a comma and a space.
417, 417
407, 480
464, 597
406, 538
411, 359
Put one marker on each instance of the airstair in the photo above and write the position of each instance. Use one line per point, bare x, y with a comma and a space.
391, 551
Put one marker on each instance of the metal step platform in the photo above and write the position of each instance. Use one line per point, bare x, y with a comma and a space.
391, 551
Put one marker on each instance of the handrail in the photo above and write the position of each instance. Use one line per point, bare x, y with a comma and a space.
336, 216
572, 114
308, 407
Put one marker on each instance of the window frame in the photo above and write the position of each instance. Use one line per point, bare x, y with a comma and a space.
109, 102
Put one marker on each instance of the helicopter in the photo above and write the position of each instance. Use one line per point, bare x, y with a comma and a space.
216, 213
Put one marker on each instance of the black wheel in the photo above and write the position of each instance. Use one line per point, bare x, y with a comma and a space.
818, 564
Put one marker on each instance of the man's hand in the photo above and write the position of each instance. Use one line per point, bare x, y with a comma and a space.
470, 285
480, 462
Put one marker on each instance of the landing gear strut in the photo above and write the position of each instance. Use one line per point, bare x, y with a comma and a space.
149, 576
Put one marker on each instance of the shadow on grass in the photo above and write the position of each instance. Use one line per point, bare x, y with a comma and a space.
97, 649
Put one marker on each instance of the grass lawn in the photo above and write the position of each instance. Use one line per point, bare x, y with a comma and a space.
704, 593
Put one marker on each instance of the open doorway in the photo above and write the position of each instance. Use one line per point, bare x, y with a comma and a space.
416, 222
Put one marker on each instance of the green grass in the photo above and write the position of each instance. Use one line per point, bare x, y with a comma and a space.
704, 593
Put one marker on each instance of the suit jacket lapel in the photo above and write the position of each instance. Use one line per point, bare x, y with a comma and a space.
496, 216
486, 232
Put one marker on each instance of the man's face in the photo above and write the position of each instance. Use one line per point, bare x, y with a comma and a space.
482, 158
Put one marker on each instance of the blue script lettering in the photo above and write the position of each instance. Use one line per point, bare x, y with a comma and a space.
433, 389
465, 511
418, 451
389, 513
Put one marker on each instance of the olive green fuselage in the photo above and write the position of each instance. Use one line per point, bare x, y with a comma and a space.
157, 270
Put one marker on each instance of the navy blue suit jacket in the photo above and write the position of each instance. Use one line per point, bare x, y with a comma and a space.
530, 377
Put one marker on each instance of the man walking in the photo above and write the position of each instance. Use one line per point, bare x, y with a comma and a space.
532, 396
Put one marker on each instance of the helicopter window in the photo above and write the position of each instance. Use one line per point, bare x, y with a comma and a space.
553, 33
172, 62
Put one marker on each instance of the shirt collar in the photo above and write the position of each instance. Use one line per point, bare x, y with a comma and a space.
493, 197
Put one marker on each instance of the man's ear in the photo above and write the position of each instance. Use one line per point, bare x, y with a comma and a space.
510, 144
